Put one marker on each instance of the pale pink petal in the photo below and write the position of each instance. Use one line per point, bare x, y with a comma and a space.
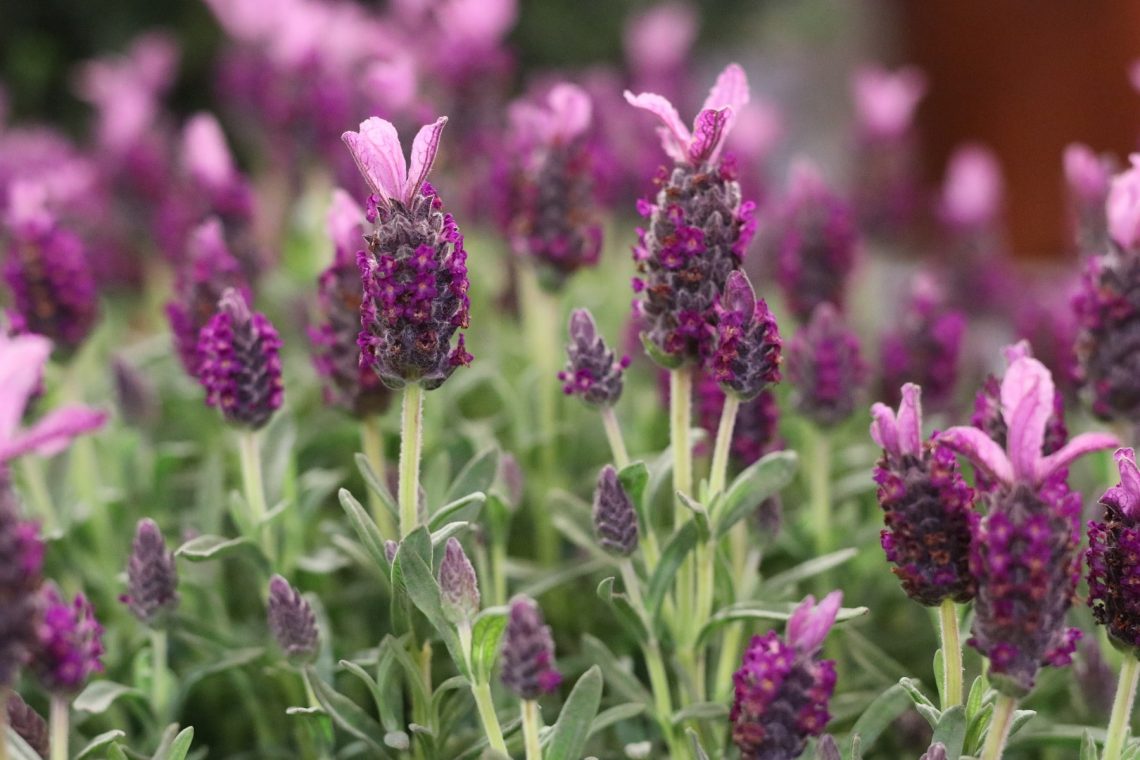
344, 221
885, 100
205, 155
1086, 443
1026, 405
910, 420
1085, 173
972, 193
739, 295
709, 131
376, 150
810, 622
730, 90
28, 205
1126, 495
54, 432
674, 135
1123, 205
424, 149
22, 361
884, 428
571, 108
659, 39
980, 449
1019, 350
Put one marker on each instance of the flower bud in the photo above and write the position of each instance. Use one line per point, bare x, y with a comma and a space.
591, 371
152, 576
70, 642
458, 584
615, 520
825, 368
528, 652
292, 622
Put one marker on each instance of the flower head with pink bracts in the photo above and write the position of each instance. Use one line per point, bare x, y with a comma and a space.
1024, 552
885, 101
22, 360
415, 269
1113, 556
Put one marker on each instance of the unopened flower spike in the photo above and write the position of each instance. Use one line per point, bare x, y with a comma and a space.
1113, 557
292, 622
528, 652
70, 644
414, 270
615, 520
592, 372
924, 345
458, 585
782, 688
22, 553
825, 368
152, 576
747, 357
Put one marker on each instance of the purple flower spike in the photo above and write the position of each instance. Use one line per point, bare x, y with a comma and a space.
22, 554
292, 622
924, 346
927, 506
349, 384
1113, 556
615, 521
207, 161
70, 642
825, 368
241, 368
152, 576
458, 584
592, 373
816, 243
414, 272
22, 360
747, 358
782, 688
528, 652
53, 288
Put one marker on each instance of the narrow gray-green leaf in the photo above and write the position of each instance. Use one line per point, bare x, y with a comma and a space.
346, 714
366, 530
614, 715
951, 731
805, 570
180, 747
617, 676
100, 742
700, 711
673, 555
754, 484
477, 475
376, 486
883, 711
100, 695
464, 509
568, 739
776, 611
486, 634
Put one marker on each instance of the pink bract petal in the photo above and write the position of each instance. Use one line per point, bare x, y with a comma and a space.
1026, 404
659, 39
709, 131
376, 150
675, 135
809, 624
54, 432
344, 221
980, 449
571, 108
730, 90
205, 154
1126, 495
739, 295
1086, 443
22, 362
1123, 206
1085, 173
424, 149
885, 100
1015, 351
910, 420
884, 428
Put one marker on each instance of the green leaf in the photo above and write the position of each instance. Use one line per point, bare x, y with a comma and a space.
464, 509
695, 742
630, 618
565, 574
346, 714
634, 478
700, 516
754, 484
205, 548
1060, 735
700, 711
668, 361
977, 693
1020, 718
18, 749
940, 687
180, 747
366, 530
673, 555
805, 570
570, 733
447, 531
235, 659
1088, 747
100, 695
413, 566
486, 634
883, 711
100, 742
614, 715
369, 682
618, 676
951, 731
376, 486
776, 611
976, 729
476, 475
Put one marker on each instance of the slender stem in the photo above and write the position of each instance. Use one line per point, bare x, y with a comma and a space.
59, 727
499, 572
249, 449
487, 715
159, 685
530, 729
32, 468
718, 475
951, 654
613, 433
372, 442
658, 680
1000, 723
541, 318
746, 582
411, 446
680, 422
819, 472
1121, 719
3, 723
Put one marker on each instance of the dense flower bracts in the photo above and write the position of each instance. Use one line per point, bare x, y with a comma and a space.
699, 226
28, 724
22, 554
988, 416
1113, 557
70, 642
782, 688
592, 372
747, 356
816, 241
555, 221
240, 364
825, 368
415, 269
924, 346
1024, 551
528, 652
46, 270
458, 585
615, 520
348, 383
198, 286
928, 508
292, 622
152, 576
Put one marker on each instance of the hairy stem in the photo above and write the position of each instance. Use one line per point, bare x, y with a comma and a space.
819, 474
1121, 719
488, 717
999, 727
951, 654
60, 727
372, 442
411, 449
613, 433
680, 422
530, 729
746, 581
253, 485
658, 679
718, 475
159, 685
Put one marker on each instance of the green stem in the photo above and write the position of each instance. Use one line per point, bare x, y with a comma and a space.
746, 582
541, 318
372, 442
487, 715
680, 423
658, 680
613, 433
530, 729
951, 654
253, 484
1121, 719
411, 448
499, 572
1000, 723
32, 468
159, 688
59, 727
819, 472
718, 475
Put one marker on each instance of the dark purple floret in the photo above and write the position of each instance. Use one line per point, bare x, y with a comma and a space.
152, 576
615, 520
747, 356
28, 724
698, 231
923, 348
1108, 347
816, 243
70, 642
1024, 557
528, 652
240, 367
592, 372
22, 558
937, 751
1113, 557
825, 368
415, 292
198, 286
458, 585
292, 622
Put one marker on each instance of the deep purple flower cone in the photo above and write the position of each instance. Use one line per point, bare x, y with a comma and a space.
528, 652
1024, 557
923, 348
22, 558
240, 366
152, 576
747, 357
70, 643
615, 520
28, 724
592, 372
292, 622
825, 368
1113, 557
1108, 347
